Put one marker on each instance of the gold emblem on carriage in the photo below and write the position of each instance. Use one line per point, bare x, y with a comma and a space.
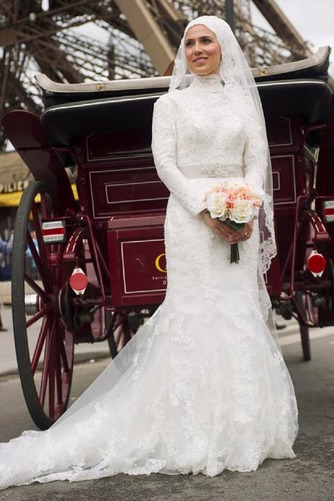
100, 86
263, 71
158, 265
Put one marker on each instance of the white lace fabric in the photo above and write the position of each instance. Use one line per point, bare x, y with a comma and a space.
202, 387
236, 75
206, 132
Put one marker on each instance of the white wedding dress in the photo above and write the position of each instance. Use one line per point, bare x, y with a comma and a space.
202, 387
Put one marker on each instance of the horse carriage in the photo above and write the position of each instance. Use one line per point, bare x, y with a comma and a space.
98, 249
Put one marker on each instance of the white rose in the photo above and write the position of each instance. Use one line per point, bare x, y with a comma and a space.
216, 205
242, 212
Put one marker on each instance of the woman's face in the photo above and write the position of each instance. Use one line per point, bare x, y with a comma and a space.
202, 51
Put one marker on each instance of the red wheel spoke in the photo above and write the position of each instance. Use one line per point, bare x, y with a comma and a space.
58, 372
118, 335
34, 318
63, 355
39, 345
45, 371
119, 332
40, 292
40, 260
52, 370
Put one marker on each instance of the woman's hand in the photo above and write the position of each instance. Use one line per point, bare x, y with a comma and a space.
218, 227
244, 234
226, 231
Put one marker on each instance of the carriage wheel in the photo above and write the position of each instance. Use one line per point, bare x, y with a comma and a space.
124, 326
304, 329
44, 347
304, 298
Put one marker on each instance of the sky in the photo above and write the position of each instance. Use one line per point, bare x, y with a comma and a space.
313, 19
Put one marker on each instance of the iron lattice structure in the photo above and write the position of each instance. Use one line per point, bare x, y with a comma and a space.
79, 40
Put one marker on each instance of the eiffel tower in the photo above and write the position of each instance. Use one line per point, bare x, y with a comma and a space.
79, 40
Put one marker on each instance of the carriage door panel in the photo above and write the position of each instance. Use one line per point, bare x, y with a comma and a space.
137, 260
285, 141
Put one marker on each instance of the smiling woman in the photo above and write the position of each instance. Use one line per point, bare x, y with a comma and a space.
202, 51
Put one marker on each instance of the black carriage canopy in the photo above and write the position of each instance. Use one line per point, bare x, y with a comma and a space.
77, 110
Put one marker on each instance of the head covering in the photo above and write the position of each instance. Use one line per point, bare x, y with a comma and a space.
235, 75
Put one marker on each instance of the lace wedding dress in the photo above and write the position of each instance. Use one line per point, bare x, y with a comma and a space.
202, 387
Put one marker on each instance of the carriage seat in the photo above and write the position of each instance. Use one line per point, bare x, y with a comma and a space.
63, 123
309, 99
82, 109
54, 93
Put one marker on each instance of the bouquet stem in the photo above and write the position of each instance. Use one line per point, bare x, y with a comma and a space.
235, 256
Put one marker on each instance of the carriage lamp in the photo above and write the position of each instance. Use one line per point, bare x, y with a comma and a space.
78, 281
316, 263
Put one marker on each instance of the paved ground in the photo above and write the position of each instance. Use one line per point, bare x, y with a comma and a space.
309, 477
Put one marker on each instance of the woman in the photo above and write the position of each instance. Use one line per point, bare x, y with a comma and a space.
202, 387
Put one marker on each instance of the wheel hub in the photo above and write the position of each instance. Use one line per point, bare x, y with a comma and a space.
31, 304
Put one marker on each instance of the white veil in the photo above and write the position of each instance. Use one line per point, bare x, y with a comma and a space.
236, 73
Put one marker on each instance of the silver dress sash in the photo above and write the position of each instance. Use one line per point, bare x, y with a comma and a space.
212, 171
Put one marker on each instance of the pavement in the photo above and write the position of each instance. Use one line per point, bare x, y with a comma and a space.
309, 477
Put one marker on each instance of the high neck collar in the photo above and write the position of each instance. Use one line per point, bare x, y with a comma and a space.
208, 83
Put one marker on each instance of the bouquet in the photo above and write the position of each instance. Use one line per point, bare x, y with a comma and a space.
235, 203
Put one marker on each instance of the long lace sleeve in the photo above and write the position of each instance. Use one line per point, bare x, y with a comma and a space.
164, 148
255, 154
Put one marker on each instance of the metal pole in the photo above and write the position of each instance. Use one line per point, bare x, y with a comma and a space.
229, 9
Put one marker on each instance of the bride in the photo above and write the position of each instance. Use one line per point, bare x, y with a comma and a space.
202, 387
